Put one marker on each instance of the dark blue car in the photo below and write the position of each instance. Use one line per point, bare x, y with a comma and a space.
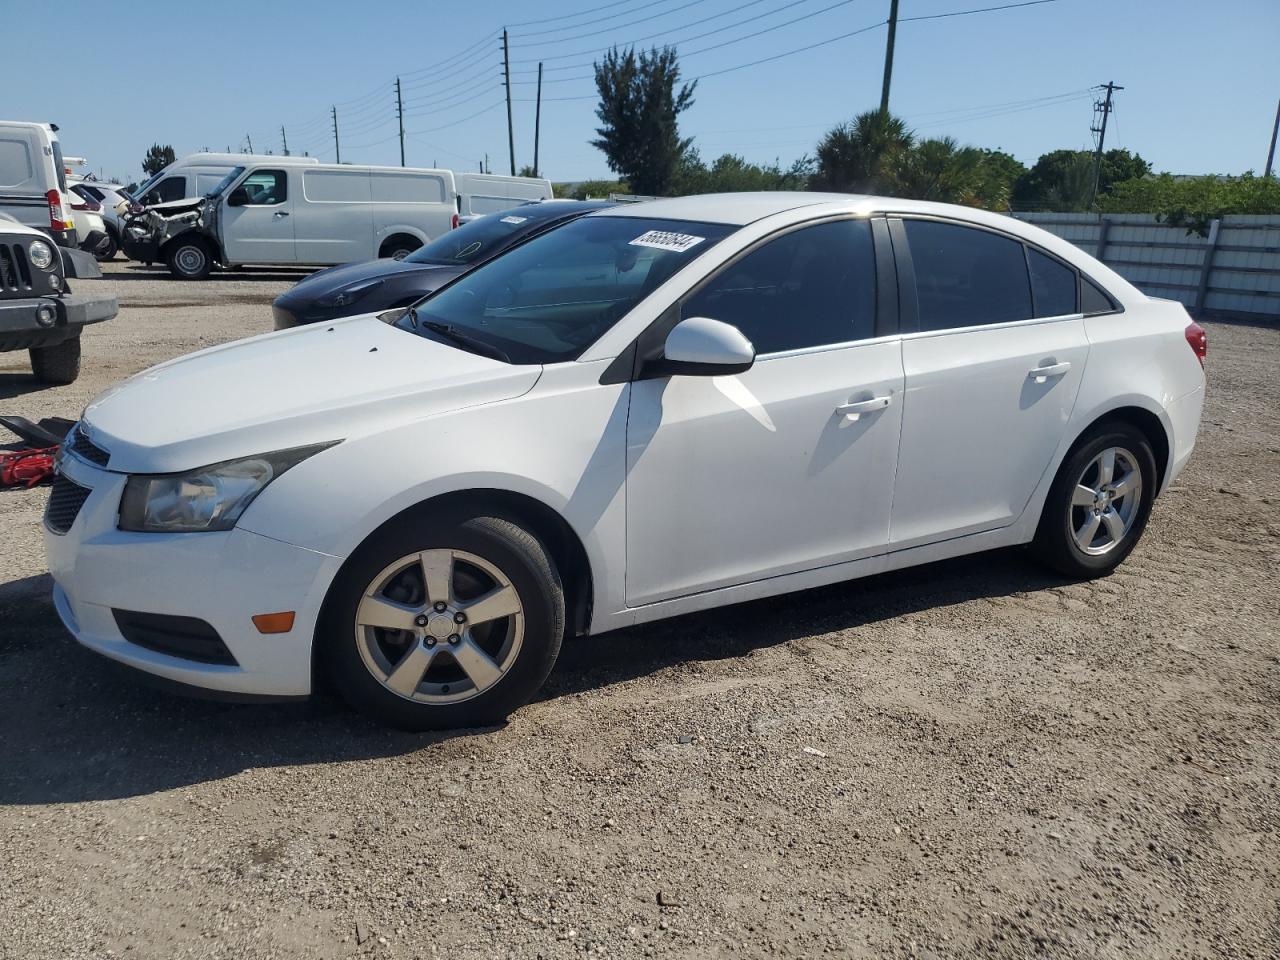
374, 285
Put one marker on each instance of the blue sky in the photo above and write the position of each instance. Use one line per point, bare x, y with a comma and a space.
1200, 82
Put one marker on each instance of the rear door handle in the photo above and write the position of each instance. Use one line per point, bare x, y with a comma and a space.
281, 213
852, 411
1042, 374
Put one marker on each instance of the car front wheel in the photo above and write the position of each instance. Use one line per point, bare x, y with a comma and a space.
1098, 505
454, 624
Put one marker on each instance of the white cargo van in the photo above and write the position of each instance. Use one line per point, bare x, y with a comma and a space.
33, 180
285, 211
482, 193
194, 175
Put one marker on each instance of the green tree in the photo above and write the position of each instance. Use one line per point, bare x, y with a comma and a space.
852, 156
1193, 202
527, 171
641, 99
157, 159
938, 169
584, 189
1063, 179
730, 173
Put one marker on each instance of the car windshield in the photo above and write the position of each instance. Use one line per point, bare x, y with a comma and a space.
475, 241
225, 182
549, 299
151, 182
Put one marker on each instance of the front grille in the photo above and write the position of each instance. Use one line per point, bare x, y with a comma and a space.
65, 501
184, 637
15, 272
85, 448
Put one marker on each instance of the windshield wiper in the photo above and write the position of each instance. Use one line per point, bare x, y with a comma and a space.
462, 339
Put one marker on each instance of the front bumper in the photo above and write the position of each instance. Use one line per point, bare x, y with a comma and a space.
223, 579
144, 250
21, 329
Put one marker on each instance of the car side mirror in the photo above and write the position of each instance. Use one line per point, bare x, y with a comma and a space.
239, 197
700, 346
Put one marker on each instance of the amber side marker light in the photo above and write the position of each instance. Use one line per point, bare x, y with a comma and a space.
274, 622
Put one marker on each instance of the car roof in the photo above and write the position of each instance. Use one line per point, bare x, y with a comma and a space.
554, 209
737, 209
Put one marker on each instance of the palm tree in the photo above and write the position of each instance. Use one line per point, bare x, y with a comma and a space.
938, 169
852, 156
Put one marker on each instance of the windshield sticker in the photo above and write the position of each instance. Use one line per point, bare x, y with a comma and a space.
514, 219
664, 240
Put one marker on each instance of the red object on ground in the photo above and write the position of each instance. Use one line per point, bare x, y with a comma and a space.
26, 468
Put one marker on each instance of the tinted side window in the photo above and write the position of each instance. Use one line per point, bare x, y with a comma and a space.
1093, 299
1053, 285
170, 188
967, 277
808, 288
265, 187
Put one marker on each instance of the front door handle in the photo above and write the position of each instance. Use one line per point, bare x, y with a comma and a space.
852, 411
281, 213
1042, 374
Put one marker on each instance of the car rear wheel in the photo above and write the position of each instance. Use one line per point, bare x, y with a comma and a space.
399, 247
107, 248
454, 624
57, 364
1099, 503
189, 259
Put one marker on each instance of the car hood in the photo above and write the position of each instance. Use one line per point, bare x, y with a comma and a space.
347, 274
330, 381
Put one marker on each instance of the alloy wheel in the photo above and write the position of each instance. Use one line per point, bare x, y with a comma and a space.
440, 626
1106, 501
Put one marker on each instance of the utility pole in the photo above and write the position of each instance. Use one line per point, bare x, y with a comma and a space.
888, 58
250, 139
537, 122
284, 140
1271, 154
400, 115
506, 72
1103, 107
337, 149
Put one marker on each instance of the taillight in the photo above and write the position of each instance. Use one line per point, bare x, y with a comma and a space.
454, 223
58, 220
90, 206
1198, 341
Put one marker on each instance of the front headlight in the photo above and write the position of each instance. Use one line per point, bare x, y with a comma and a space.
208, 498
40, 254
349, 295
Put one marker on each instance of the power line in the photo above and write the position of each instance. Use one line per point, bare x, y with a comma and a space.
586, 23
613, 27
568, 16
788, 53
965, 13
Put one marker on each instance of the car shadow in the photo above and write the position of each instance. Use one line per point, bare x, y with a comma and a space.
78, 727
20, 384
138, 271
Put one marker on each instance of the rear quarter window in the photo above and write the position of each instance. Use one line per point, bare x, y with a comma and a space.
16, 167
1095, 300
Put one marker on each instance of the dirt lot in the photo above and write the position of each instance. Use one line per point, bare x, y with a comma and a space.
969, 759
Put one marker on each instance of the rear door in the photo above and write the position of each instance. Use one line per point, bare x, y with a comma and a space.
261, 230
992, 372
333, 219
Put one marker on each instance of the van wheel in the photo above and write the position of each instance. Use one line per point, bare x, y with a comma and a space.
189, 259
450, 624
58, 364
399, 247
1099, 503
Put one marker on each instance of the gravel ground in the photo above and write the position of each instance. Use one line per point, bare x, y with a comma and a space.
973, 758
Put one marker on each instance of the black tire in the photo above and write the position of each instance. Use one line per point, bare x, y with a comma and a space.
108, 248
398, 247
189, 259
519, 556
1055, 543
58, 364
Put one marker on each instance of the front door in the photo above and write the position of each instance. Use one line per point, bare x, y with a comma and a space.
785, 467
991, 379
260, 230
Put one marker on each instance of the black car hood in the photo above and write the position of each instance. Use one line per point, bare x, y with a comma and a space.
335, 278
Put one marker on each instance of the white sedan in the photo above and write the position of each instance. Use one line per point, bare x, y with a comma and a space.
654, 409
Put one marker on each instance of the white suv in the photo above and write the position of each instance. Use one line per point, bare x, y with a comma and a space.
651, 410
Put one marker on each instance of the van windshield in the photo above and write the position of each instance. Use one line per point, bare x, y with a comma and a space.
225, 182
549, 299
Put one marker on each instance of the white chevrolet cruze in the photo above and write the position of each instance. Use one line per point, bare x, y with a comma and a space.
657, 408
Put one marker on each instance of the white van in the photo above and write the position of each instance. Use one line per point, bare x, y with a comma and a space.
290, 212
482, 193
33, 180
194, 175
